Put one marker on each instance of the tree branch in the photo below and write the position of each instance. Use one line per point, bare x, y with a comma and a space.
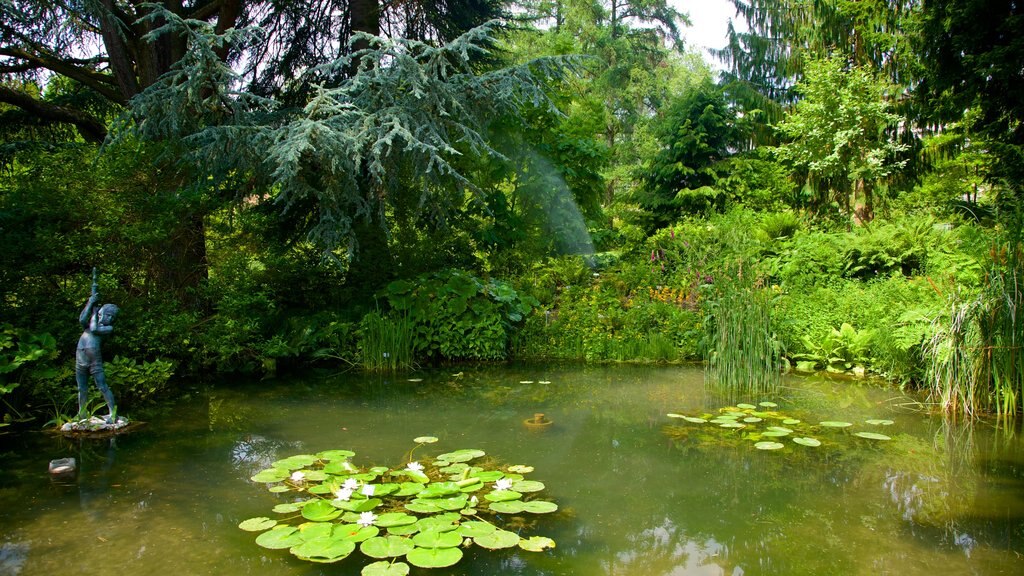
91, 129
73, 68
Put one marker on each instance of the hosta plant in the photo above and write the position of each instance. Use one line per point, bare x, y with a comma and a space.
422, 513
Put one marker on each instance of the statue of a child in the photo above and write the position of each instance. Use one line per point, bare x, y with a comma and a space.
97, 323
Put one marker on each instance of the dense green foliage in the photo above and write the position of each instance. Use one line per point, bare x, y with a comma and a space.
576, 186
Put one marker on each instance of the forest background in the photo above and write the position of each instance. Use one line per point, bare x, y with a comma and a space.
269, 185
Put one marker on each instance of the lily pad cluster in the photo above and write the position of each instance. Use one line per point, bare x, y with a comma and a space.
769, 428
422, 514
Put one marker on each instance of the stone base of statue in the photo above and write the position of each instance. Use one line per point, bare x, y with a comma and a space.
95, 425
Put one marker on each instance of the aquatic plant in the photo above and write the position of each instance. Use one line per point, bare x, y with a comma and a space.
760, 424
744, 354
974, 353
424, 512
386, 342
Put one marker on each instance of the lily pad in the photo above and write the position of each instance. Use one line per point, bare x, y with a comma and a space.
332, 455
288, 507
692, 419
257, 524
434, 557
453, 503
296, 462
732, 425
488, 475
790, 421
502, 495
753, 419
455, 468
409, 488
425, 440
774, 433
747, 406
403, 530
386, 547
438, 539
438, 489
461, 455
779, 429
324, 549
364, 505
279, 489
389, 519
509, 507
805, 441
768, 404
498, 539
527, 486
539, 507
356, 532
280, 537
319, 511
872, 435
520, 469
270, 475
768, 445
835, 424
879, 422
440, 522
313, 530
422, 507
476, 529
536, 544
385, 568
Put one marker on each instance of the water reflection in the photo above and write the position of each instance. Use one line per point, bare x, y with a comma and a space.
634, 500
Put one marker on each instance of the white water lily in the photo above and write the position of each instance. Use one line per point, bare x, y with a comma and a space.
368, 490
298, 476
473, 501
343, 494
351, 484
503, 484
415, 467
366, 519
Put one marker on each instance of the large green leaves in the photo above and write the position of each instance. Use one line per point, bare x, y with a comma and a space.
434, 557
340, 514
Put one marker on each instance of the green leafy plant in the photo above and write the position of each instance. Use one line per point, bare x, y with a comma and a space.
24, 356
455, 315
421, 513
842, 349
135, 382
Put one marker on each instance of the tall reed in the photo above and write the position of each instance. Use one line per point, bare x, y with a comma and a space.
387, 343
743, 355
974, 356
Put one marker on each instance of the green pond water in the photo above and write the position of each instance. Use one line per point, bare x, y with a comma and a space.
639, 493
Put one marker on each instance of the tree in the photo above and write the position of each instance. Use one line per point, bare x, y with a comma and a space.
840, 135
124, 52
697, 132
111, 48
351, 151
973, 56
783, 36
632, 46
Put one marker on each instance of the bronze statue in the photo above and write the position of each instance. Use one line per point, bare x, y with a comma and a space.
97, 323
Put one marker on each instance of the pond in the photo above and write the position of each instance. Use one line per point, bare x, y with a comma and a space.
639, 493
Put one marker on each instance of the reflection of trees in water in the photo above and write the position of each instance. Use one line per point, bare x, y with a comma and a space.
666, 548
13, 556
253, 453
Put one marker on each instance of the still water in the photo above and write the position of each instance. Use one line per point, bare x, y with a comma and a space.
639, 493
